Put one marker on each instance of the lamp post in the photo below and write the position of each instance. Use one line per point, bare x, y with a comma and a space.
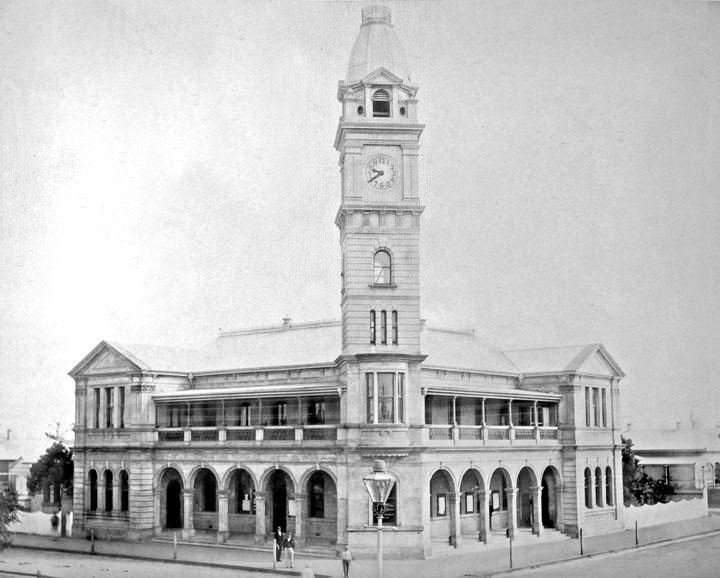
378, 485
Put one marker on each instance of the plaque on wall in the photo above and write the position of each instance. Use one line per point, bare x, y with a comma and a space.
441, 505
469, 503
291, 508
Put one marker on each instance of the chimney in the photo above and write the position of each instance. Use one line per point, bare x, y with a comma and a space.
9, 431
286, 322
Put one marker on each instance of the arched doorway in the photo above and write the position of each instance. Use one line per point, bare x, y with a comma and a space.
471, 491
550, 489
205, 506
441, 488
241, 503
281, 498
321, 525
499, 511
525, 499
171, 506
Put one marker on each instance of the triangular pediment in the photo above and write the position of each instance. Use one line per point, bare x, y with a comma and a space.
596, 360
104, 359
596, 365
382, 76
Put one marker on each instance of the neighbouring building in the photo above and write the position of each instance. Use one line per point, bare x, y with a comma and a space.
277, 426
686, 458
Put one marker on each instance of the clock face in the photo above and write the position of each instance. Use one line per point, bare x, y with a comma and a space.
381, 172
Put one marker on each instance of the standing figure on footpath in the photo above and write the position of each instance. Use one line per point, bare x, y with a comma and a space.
279, 540
346, 559
289, 547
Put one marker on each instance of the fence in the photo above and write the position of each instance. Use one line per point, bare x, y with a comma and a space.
665, 513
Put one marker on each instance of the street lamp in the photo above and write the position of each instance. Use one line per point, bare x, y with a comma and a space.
378, 486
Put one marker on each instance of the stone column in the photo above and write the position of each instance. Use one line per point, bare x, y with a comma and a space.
485, 516
260, 504
223, 514
157, 496
117, 492
188, 526
342, 521
455, 527
512, 510
300, 500
537, 525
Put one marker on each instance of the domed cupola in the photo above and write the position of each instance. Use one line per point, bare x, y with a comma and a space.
377, 46
377, 86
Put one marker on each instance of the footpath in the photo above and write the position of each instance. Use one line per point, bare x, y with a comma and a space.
471, 559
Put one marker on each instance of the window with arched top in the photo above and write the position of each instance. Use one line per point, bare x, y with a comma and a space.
108, 479
608, 486
124, 491
382, 268
588, 488
381, 103
598, 487
93, 480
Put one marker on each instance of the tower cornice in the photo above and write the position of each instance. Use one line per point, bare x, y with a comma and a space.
389, 130
346, 209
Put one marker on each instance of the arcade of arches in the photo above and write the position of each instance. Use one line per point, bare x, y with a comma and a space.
477, 508
239, 505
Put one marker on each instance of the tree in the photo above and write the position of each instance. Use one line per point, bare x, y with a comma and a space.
638, 487
8, 515
52, 474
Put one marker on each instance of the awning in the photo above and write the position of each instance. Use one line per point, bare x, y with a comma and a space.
264, 391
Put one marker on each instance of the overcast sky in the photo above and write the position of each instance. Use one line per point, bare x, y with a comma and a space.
168, 170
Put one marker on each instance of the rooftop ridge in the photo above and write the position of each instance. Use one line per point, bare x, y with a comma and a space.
576, 345
470, 332
285, 326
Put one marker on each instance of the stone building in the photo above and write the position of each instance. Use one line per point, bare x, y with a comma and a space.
277, 426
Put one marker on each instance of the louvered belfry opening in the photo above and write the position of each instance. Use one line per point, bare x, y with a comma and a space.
381, 103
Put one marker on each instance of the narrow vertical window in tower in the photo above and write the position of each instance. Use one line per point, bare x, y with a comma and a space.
394, 327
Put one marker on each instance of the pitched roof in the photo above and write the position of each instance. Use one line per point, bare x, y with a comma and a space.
462, 350
160, 358
144, 357
283, 346
320, 343
564, 359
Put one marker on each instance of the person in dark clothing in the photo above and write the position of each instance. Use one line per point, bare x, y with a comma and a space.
279, 541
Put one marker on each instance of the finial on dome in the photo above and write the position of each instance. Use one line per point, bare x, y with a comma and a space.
376, 14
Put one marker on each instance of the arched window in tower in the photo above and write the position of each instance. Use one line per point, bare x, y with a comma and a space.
381, 103
382, 268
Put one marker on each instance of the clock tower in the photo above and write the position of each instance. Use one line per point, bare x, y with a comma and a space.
379, 222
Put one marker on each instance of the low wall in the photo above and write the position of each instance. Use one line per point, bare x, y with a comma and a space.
38, 523
665, 513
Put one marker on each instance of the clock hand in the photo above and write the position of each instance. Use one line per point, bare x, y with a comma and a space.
377, 171
375, 177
